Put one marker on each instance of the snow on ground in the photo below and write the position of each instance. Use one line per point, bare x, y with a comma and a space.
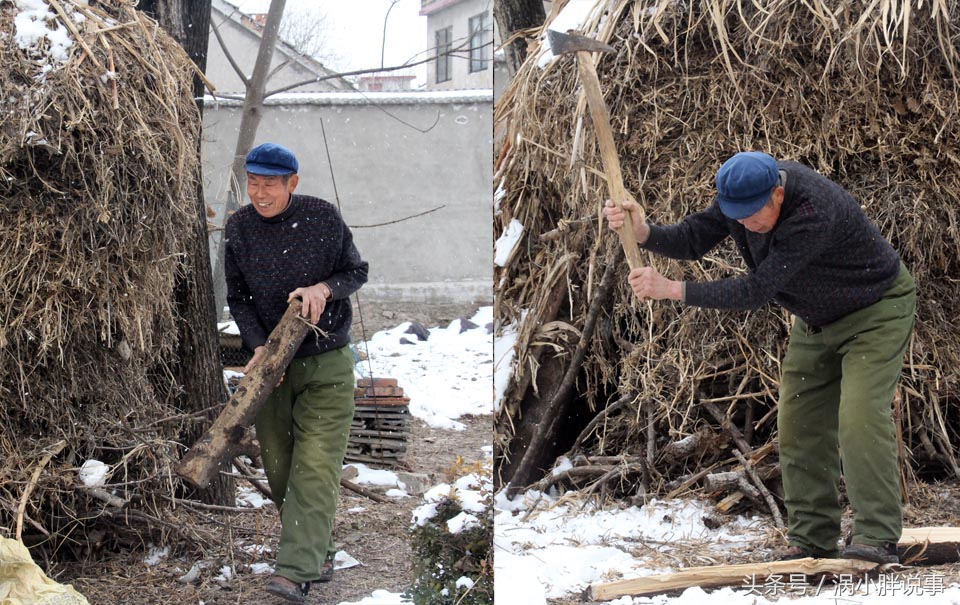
446, 376
565, 545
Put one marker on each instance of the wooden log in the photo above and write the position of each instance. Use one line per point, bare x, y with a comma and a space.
917, 545
224, 439
724, 575
929, 545
677, 451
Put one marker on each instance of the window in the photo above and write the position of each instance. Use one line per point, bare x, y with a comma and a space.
444, 39
479, 42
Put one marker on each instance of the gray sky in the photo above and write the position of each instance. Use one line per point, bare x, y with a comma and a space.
356, 30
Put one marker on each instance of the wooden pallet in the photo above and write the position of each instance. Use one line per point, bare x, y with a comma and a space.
381, 423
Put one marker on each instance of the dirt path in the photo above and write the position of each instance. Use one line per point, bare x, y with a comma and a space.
375, 534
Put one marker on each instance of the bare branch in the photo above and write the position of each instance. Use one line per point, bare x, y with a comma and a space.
452, 52
226, 52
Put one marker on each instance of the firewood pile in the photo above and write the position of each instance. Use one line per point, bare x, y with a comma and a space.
98, 194
650, 399
381, 423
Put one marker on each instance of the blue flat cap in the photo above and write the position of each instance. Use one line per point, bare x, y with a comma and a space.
744, 183
270, 159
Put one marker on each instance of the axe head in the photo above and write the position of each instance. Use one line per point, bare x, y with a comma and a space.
571, 43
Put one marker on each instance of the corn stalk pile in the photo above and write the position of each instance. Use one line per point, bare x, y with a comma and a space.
656, 398
98, 192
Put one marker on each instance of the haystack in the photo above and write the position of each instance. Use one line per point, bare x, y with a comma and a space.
98, 185
653, 399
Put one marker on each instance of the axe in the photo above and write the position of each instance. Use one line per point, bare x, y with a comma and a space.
582, 46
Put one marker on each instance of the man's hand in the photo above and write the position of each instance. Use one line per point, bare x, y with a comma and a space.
257, 355
314, 300
647, 282
615, 218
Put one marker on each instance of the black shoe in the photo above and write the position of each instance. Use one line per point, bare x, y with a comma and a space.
794, 552
791, 553
295, 592
884, 555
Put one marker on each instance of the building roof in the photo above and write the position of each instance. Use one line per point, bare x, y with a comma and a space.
235, 10
365, 98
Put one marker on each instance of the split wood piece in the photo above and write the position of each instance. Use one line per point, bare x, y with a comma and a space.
353, 487
724, 575
731, 500
742, 456
223, 440
917, 545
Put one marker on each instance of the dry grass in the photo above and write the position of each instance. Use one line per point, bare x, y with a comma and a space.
98, 184
865, 92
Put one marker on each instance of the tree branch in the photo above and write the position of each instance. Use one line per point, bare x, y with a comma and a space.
226, 52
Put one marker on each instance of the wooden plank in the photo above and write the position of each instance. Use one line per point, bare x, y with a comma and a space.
917, 545
724, 575
382, 401
376, 433
377, 382
377, 391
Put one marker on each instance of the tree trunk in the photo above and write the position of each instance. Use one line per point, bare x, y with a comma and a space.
200, 373
513, 16
188, 21
256, 88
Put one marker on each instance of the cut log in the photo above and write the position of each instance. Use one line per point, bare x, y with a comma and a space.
929, 545
917, 546
224, 439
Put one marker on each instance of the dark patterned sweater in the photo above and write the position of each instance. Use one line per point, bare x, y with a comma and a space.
823, 260
267, 258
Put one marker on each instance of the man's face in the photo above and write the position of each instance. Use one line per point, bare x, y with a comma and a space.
270, 194
765, 219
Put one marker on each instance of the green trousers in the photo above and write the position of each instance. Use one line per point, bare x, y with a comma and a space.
836, 395
303, 430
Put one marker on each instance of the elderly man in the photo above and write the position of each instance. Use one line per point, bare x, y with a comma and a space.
279, 247
809, 248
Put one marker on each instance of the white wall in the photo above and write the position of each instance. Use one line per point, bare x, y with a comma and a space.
386, 170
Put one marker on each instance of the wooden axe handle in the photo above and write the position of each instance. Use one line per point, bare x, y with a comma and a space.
608, 153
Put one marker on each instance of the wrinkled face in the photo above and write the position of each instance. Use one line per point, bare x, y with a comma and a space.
270, 194
765, 219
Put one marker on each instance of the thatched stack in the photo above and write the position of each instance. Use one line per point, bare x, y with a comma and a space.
98, 186
865, 92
